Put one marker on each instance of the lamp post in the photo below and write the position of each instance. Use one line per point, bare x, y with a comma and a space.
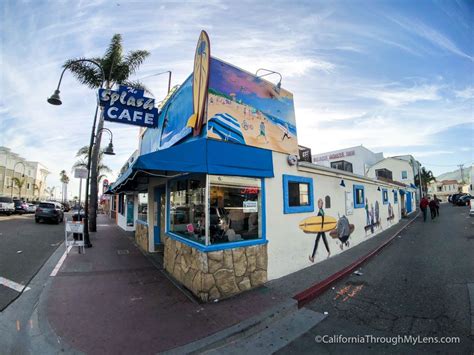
164, 72
55, 100
270, 72
14, 167
110, 147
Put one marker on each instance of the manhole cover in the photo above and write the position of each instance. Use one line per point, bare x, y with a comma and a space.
123, 252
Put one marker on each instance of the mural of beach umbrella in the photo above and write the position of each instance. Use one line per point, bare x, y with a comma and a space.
226, 127
232, 95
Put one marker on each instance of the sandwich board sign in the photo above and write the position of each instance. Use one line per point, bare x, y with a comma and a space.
127, 105
71, 229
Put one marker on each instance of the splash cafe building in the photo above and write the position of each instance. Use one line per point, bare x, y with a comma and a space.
218, 187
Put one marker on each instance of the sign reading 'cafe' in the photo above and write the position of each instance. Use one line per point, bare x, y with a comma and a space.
129, 106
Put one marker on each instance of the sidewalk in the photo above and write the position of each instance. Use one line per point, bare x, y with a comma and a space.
114, 300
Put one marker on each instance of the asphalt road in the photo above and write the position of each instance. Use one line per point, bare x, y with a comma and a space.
24, 248
416, 286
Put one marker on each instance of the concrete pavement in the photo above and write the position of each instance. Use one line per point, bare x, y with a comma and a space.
416, 286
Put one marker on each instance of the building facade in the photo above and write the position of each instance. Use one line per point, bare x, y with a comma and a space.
21, 178
355, 159
224, 196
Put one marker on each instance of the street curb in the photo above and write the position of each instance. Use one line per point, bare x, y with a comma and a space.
317, 289
249, 326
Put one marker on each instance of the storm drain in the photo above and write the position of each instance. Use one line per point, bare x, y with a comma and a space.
123, 252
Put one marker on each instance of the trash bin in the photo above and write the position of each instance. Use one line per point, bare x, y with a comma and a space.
76, 217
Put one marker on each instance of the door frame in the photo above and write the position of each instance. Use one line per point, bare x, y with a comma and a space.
158, 192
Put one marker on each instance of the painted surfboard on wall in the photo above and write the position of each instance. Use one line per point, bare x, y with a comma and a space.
200, 82
315, 224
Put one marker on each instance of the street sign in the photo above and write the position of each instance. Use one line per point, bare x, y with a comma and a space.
128, 106
80, 173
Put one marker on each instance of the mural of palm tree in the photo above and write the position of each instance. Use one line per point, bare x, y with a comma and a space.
117, 68
64, 180
19, 183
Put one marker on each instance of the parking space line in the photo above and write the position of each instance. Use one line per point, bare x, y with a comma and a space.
60, 262
13, 285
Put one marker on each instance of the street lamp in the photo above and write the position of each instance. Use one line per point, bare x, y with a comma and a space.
110, 147
23, 175
270, 72
164, 72
55, 100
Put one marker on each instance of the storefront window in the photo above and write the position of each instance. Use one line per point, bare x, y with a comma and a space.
235, 209
143, 207
187, 212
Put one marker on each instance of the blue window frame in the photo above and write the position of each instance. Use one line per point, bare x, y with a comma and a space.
385, 196
297, 194
395, 196
359, 196
221, 246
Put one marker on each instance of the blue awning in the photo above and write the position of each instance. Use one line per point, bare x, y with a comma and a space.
205, 156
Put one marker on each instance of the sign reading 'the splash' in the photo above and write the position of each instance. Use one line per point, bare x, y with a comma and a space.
128, 106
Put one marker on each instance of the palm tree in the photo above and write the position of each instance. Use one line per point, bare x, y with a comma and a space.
102, 169
50, 191
64, 180
426, 177
19, 183
117, 68
37, 187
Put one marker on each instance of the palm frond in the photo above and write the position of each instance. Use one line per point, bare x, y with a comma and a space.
104, 168
80, 164
87, 73
83, 151
134, 59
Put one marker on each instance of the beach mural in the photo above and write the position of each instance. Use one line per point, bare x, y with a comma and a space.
245, 109
321, 223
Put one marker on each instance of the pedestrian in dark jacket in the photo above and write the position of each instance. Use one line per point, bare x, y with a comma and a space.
424, 207
432, 205
437, 200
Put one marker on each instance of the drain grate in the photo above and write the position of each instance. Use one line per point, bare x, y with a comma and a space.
123, 252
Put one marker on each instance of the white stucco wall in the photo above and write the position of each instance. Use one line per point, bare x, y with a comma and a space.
396, 166
288, 246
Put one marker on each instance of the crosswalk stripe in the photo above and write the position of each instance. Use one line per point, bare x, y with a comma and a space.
13, 285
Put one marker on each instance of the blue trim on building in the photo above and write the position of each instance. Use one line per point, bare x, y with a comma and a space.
395, 197
286, 203
355, 189
385, 196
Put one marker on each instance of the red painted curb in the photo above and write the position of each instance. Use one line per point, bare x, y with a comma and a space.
314, 291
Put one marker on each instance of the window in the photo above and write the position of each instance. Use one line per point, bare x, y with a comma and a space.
359, 196
395, 196
342, 165
28, 186
327, 202
114, 204
235, 209
385, 196
143, 207
297, 194
383, 173
121, 208
404, 174
187, 216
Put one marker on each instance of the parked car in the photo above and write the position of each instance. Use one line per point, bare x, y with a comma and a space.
21, 207
7, 206
463, 200
31, 208
455, 198
471, 211
49, 211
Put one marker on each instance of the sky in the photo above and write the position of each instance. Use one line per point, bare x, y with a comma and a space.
395, 76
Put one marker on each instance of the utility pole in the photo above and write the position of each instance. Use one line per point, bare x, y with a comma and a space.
461, 169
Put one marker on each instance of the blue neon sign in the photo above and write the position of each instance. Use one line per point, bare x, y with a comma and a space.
128, 106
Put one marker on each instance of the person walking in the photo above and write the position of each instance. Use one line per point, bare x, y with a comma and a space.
320, 234
437, 200
432, 205
424, 207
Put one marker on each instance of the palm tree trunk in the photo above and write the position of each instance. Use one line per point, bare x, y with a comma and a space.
93, 178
